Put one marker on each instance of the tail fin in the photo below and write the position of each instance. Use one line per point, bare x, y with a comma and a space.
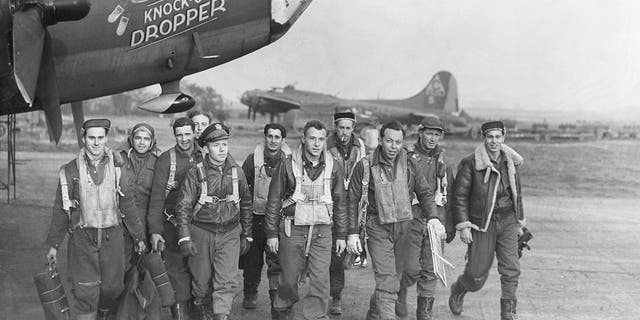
441, 93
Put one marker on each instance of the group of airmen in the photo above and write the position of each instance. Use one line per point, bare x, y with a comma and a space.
302, 210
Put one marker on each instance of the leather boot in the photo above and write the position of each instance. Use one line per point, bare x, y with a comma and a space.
249, 300
285, 314
87, 316
335, 306
179, 311
272, 297
104, 314
508, 309
401, 303
456, 299
425, 308
200, 310
373, 313
220, 316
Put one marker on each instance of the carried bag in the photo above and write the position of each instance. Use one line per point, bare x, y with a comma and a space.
158, 272
52, 295
140, 300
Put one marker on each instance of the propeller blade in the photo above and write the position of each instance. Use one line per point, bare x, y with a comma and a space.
47, 91
78, 120
28, 43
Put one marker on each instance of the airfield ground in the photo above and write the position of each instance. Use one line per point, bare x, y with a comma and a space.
581, 201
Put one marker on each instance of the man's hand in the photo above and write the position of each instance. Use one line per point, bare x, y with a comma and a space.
341, 244
187, 248
245, 244
141, 247
272, 245
465, 235
353, 244
52, 255
157, 242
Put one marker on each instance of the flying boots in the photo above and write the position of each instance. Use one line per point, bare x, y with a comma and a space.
335, 306
401, 303
508, 309
373, 313
456, 299
179, 311
272, 297
200, 310
425, 308
249, 300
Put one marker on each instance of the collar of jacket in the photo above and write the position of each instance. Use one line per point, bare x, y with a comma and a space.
513, 159
186, 153
377, 157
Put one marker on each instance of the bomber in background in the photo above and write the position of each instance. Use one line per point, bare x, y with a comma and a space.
67, 51
439, 97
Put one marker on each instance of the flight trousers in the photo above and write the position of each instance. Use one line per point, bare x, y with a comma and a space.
214, 268
176, 264
293, 262
419, 265
253, 261
336, 272
388, 261
501, 239
96, 268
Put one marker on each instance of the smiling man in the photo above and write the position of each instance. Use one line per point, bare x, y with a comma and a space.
259, 167
488, 212
139, 163
91, 200
171, 168
386, 181
306, 198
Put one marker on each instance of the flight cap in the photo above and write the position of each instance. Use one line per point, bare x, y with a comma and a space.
492, 125
431, 122
97, 123
214, 132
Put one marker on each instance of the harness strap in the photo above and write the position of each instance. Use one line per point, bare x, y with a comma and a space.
171, 181
204, 198
67, 205
364, 199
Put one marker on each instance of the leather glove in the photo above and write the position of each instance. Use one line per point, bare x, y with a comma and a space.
187, 248
245, 245
450, 236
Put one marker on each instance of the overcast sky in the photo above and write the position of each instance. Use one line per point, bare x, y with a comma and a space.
562, 56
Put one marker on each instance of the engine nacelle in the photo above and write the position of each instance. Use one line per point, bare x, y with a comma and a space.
169, 103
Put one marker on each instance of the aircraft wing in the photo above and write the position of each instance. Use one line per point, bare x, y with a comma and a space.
283, 104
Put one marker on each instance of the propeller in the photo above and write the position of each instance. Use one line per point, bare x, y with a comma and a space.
33, 62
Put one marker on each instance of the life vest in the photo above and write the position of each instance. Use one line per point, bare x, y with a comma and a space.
98, 204
393, 200
314, 204
261, 180
349, 164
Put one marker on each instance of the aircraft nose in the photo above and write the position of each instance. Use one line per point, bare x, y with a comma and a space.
284, 14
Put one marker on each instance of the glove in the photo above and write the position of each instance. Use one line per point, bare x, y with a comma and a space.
245, 245
187, 248
450, 236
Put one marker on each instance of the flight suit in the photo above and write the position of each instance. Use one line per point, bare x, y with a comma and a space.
304, 202
389, 219
346, 158
170, 171
140, 175
214, 210
259, 167
90, 203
